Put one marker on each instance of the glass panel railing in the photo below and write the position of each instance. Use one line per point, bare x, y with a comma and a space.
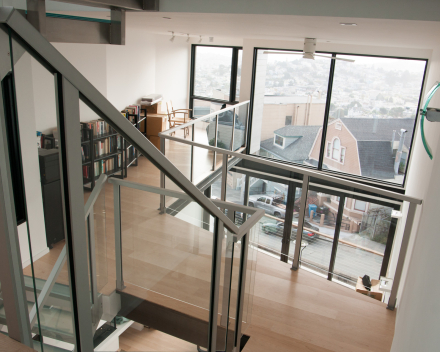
362, 241
167, 260
158, 248
3, 320
241, 114
42, 222
318, 231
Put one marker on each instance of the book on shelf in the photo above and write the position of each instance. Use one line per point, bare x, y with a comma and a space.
86, 172
108, 146
105, 166
100, 127
85, 152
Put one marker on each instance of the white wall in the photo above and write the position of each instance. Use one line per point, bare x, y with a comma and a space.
418, 316
130, 70
27, 111
172, 70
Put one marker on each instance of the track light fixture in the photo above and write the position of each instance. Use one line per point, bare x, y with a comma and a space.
172, 37
187, 39
200, 40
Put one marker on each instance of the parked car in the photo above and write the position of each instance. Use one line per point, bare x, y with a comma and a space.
277, 229
271, 205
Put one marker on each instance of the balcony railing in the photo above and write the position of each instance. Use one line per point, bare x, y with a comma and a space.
302, 178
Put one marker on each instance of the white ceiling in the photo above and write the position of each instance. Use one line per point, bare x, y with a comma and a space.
376, 32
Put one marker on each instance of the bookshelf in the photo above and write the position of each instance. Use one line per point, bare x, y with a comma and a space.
102, 152
137, 116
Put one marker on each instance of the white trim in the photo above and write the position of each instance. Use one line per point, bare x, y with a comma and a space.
276, 144
345, 154
314, 143
329, 149
35, 257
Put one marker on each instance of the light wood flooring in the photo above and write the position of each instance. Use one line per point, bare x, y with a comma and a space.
168, 260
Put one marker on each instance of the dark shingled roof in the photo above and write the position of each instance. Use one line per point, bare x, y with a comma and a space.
376, 159
299, 150
375, 154
362, 128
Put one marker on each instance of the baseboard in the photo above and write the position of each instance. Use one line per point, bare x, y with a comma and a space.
35, 257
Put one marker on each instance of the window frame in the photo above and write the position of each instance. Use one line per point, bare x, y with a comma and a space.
233, 87
276, 144
361, 210
333, 149
396, 187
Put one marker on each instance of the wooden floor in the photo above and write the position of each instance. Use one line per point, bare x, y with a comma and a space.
167, 257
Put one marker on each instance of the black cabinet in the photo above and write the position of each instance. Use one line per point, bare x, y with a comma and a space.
51, 191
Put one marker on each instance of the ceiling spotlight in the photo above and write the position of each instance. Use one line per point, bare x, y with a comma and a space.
172, 37
200, 40
167, 18
188, 38
348, 24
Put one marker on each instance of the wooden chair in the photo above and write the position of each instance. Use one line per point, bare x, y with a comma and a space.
178, 117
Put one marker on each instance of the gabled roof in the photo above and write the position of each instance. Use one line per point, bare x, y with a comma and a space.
363, 128
376, 159
299, 150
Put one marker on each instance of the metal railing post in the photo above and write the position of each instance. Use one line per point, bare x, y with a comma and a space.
299, 229
73, 203
229, 255
402, 254
215, 285
335, 243
224, 176
246, 126
162, 178
233, 130
241, 290
93, 272
214, 159
118, 236
191, 175
287, 232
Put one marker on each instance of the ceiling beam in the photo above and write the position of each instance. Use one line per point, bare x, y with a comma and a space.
133, 5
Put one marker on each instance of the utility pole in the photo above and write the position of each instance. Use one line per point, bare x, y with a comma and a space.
399, 151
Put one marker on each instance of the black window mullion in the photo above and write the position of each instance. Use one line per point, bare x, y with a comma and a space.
327, 112
192, 78
233, 86
288, 219
388, 247
336, 237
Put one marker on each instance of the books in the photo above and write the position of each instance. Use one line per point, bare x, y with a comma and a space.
100, 127
108, 165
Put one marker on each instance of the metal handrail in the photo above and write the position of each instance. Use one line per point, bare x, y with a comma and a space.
291, 168
47, 52
212, 114
94, 195
256, 214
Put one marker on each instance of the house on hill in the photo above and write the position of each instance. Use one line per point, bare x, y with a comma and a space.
359, 146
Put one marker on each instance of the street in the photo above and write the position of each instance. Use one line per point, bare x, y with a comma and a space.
351, 261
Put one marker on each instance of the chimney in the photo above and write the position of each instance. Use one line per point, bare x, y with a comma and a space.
375, 123
399, 151
392, 141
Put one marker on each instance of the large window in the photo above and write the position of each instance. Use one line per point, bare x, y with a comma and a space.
368, 119
215, 77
